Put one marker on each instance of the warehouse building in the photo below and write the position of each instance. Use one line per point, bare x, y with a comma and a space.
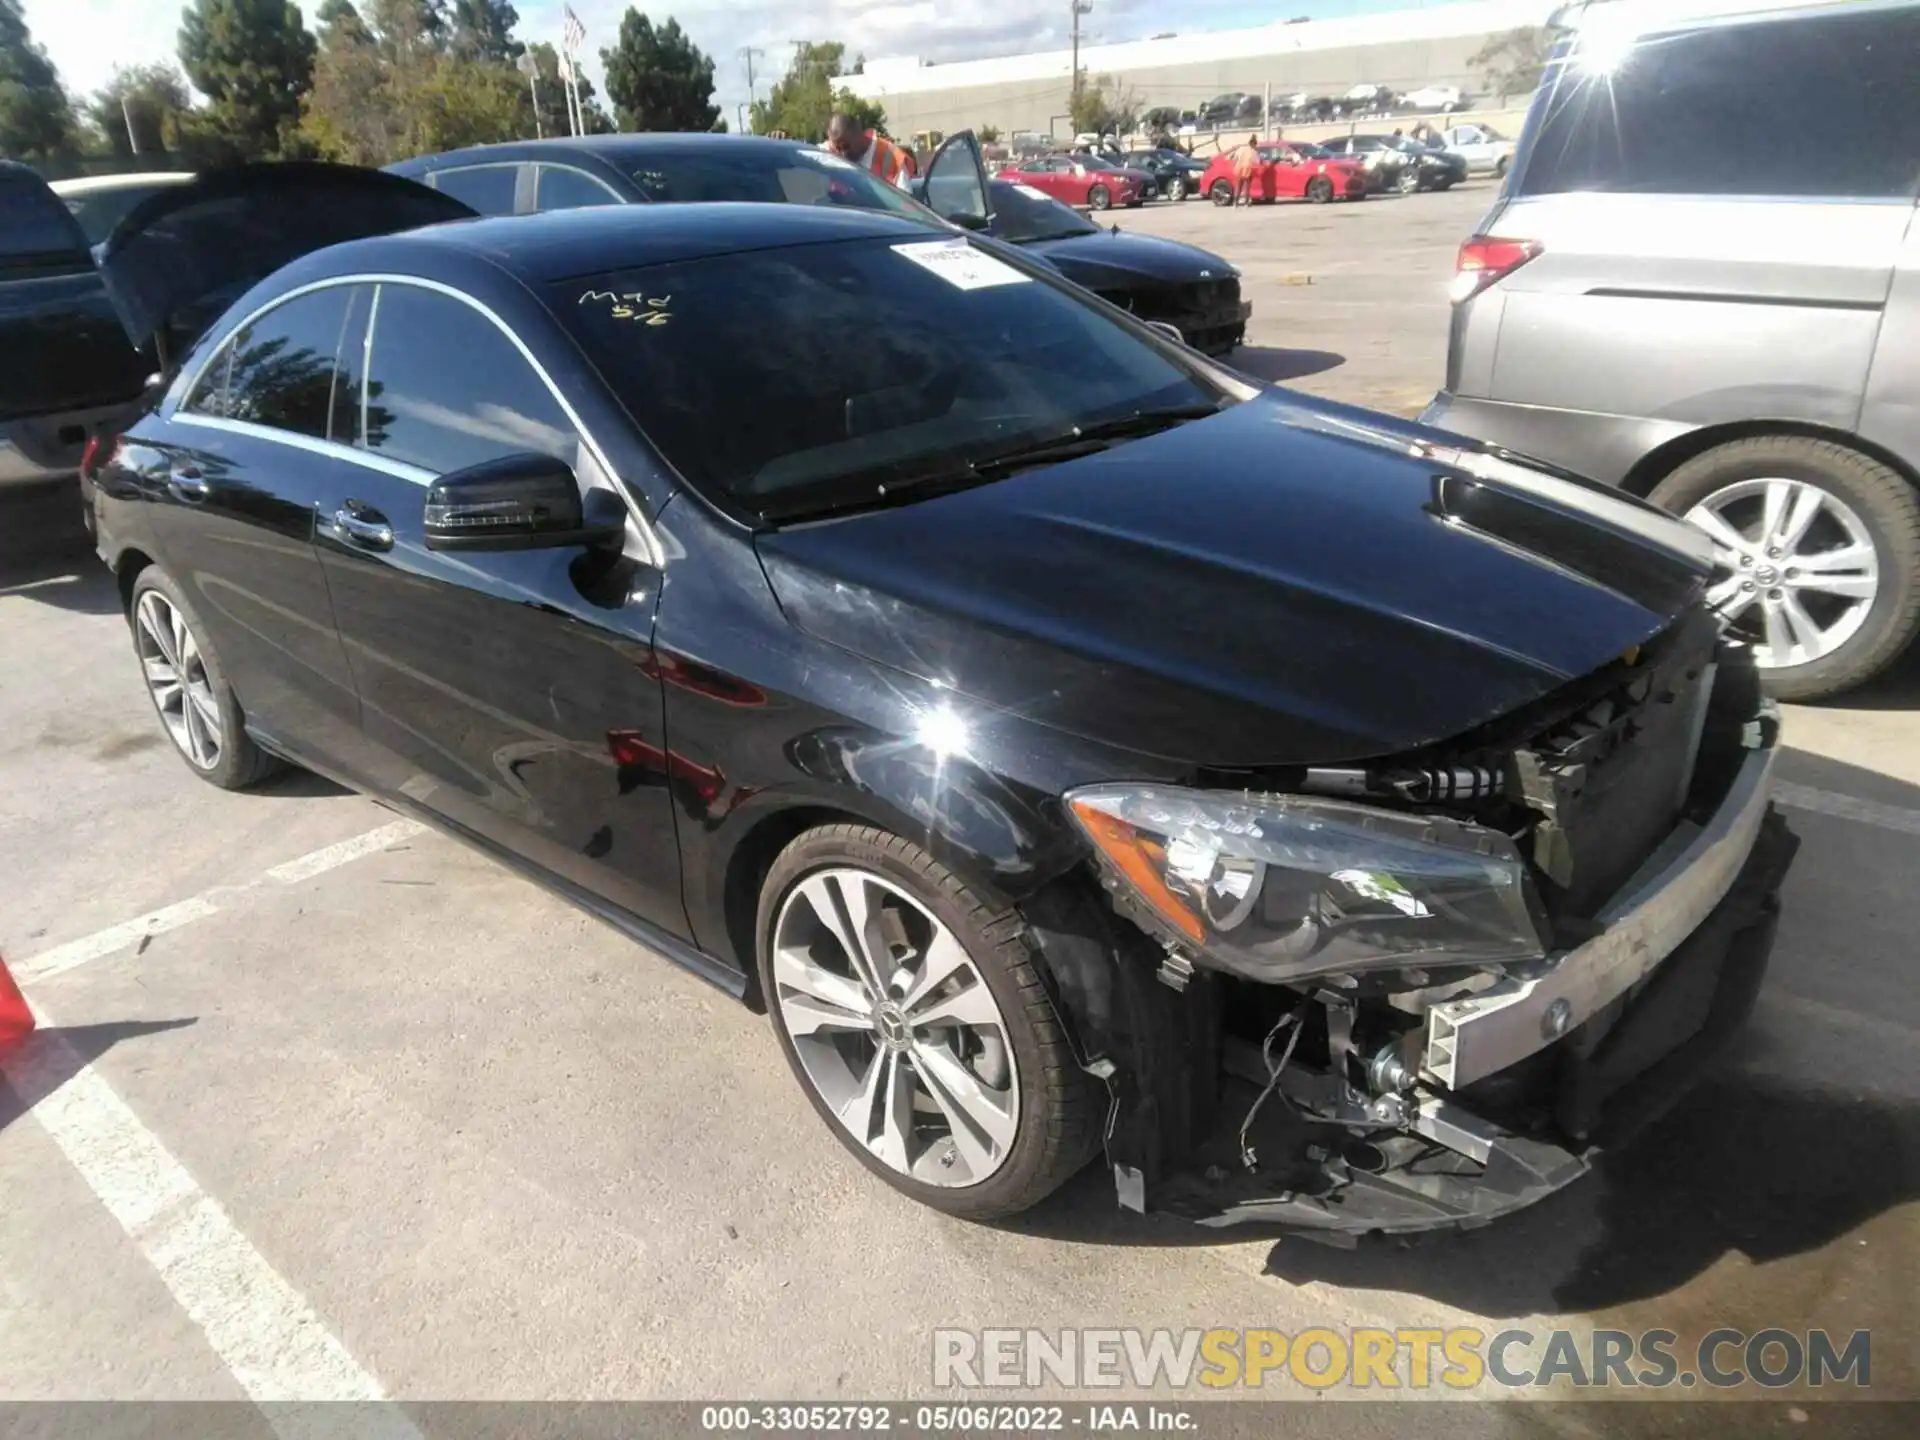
1404, 50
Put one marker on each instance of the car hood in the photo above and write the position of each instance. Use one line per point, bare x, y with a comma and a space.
1289, 582
1111, 257
182, 253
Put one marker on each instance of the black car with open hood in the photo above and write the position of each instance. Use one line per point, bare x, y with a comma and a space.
1191, 289
1073, 745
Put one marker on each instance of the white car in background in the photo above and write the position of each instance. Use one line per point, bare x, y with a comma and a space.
1481, 146
98, 201
1443, 98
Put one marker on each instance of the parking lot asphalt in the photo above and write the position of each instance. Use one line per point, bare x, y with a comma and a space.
326, 1106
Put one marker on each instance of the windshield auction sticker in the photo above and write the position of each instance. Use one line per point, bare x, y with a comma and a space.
959, 264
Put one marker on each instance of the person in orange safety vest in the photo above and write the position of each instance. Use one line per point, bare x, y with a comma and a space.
854, 142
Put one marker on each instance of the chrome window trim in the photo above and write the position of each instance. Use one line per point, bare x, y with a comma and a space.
655, 555
366, 360
541, 166
332, 449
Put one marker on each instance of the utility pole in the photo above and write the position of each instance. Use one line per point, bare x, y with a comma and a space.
1077, 8
747, 53
133, 140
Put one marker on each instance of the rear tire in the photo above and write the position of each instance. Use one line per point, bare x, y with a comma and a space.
1500, 167
220, 752
1099, 198
1319, 190
1881, 501
1221, 193
1056, 1108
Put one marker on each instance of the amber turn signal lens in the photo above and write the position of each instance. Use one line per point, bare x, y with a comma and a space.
1142, 860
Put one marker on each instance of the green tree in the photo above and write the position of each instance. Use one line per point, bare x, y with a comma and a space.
553, 97
1104, 106
151, 99
658, 79
394, 83
36, 116
253, 60
805, 98
483, 30
333, 14
1511, 63
987, 134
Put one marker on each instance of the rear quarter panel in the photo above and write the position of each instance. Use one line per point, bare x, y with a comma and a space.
1694, 311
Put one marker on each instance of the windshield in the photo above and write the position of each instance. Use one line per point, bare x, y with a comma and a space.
1022, 214
98, 211
773, 174
810, 379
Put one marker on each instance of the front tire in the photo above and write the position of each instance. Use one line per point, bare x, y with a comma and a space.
1099, 198
1177, 189
910, 1010
1319, 190
1821, 546
189, 689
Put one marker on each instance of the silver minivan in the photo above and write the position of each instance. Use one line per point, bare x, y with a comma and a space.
1701, 282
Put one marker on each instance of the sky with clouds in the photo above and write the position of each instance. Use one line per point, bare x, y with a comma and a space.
88, 38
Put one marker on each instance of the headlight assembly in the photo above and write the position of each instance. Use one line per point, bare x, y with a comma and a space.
1281, 887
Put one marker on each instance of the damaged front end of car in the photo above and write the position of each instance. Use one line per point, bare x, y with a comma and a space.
1425, 992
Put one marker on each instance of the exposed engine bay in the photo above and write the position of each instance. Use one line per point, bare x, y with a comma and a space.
1431, 987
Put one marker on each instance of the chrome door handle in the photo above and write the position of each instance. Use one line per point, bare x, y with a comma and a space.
186, 482
359, 530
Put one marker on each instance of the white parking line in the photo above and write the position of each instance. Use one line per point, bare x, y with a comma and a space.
269, 1338
62, 958
1846, 807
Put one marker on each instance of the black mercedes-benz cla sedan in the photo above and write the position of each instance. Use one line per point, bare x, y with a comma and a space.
1069, 743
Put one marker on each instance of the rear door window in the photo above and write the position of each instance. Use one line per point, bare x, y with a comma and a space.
1822, 105
281, 367
561, 187
487, 189
446, 389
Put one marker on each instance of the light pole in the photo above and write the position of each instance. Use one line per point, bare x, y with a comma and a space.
530, 68
1077, 8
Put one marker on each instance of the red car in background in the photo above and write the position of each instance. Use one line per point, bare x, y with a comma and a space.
1289, 172
1076, 180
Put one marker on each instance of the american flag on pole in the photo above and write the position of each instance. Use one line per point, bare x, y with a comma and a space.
572, 33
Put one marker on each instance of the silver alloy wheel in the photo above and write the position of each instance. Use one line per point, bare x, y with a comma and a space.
895, 1028
1804, 570
177, 679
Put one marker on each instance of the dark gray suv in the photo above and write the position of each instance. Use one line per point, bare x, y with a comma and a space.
1702, 283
